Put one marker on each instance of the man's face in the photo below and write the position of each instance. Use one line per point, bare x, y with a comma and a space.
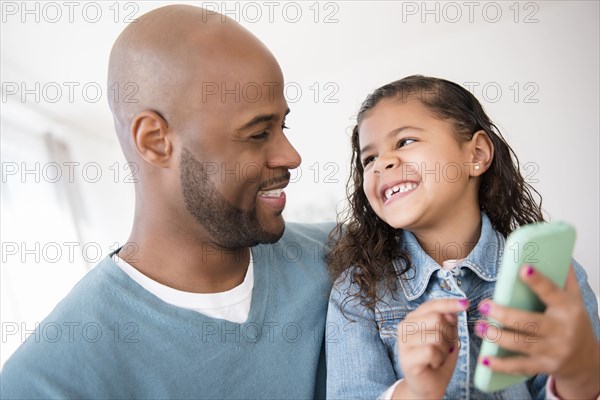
235, 158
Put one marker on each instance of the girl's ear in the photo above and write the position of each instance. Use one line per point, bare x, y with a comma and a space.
482, 152
152, 138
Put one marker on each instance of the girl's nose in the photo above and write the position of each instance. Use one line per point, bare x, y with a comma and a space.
386, 161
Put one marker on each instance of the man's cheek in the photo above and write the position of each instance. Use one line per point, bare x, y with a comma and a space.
252, 173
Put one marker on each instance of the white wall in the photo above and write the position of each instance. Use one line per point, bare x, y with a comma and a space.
553, 123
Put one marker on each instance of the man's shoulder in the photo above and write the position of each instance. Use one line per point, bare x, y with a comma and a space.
92, 291
301, 253
99, 290
71, 338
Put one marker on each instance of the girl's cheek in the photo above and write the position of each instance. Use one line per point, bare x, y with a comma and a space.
369, 188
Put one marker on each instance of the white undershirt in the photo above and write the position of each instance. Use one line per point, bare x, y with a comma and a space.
232, 305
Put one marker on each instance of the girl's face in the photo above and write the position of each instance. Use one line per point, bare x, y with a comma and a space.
416, 169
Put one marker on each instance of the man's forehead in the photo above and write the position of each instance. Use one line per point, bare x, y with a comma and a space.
193, 66
232, 108
240, 92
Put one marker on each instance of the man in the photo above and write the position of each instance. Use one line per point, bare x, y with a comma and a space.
208, 298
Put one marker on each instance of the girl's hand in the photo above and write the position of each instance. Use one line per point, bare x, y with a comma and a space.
558, 342
428, 348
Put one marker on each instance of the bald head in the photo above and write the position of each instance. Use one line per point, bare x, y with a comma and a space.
162, 63
205, 128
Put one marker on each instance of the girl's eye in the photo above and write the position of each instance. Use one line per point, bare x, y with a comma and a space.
405, 141
368, 160
284, 126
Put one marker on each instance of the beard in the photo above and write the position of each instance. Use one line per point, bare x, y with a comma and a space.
230, 226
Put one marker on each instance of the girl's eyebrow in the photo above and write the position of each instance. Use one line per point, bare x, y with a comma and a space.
393, 132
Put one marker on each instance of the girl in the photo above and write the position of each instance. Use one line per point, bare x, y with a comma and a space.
434, 190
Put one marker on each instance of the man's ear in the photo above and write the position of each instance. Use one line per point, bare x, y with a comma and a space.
482, 153
152, 138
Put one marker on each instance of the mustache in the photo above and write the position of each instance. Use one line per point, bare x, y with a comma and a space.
275, 181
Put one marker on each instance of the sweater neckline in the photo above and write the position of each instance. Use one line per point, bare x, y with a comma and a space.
261, 291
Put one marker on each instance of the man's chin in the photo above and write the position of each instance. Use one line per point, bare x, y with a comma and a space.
273, 230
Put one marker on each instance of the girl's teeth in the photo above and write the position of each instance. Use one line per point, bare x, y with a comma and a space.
271, 193
403, 187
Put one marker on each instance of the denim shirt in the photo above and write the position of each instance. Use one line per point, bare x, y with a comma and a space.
362, 355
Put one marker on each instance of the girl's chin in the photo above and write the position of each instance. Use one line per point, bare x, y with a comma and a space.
396, 224
406, 223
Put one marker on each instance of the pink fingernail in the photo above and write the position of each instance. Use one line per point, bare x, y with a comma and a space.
530, 270
486, 361
451, 349
464, 303
484, 308
481, 328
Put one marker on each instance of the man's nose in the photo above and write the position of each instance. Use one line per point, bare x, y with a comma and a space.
282, 154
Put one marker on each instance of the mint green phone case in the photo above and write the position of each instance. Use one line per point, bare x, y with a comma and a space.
546, 246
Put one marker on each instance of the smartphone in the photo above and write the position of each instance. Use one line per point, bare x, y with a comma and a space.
546, 246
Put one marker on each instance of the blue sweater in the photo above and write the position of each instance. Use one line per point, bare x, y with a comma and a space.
110, 338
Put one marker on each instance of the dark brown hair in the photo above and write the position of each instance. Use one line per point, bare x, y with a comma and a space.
367, 245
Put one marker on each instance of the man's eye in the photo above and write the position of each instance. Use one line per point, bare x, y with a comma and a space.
260, 136
405, 141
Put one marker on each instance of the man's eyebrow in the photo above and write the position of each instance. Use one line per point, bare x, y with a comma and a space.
259, 119
390, 134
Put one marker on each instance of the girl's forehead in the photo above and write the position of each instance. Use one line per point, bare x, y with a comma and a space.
391, 112
397, 107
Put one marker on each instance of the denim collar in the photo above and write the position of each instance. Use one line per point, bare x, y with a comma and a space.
484, 260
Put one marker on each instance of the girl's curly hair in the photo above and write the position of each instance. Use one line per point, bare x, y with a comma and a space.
367, 245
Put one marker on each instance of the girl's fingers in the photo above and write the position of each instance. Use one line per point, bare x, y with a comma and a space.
544, 288
514, 365
571, 284
430, 329
431, 355
513, 318
428, 336
523, 340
